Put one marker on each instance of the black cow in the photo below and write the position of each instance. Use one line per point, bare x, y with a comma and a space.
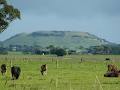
43, 69
15, 71
3, 69
107, 59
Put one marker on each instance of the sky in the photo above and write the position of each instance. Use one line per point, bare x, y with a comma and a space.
98, 17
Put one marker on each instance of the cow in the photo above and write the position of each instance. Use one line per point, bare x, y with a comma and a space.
3, 69
112, 74
15, 71
107, 59
43, 69
112, 71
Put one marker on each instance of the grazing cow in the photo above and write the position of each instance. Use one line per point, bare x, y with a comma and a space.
15, 71
107, 59
112, 68
43, 69
3, 69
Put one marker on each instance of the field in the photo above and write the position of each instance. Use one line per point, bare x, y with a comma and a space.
64, 73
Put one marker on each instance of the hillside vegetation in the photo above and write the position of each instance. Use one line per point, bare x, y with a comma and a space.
65, 39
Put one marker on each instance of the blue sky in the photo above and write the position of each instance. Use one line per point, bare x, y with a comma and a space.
99, 17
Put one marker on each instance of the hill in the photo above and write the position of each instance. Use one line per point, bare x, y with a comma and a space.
66, 39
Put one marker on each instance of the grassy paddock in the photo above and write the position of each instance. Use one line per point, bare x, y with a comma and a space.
64, 73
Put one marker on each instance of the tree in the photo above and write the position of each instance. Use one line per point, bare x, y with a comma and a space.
50, 47
70, 52
7, 14
60, 52
3, 50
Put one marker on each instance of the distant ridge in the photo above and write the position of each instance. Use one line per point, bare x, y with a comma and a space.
66, 39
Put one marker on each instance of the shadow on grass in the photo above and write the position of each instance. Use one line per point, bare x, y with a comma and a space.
110, 83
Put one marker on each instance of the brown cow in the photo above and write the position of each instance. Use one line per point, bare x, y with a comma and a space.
112, 74
44, 69
112, 68
3, 69
112, 71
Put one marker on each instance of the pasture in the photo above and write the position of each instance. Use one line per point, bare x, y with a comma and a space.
64, 73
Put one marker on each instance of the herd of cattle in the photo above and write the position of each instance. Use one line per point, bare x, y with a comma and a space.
15, 70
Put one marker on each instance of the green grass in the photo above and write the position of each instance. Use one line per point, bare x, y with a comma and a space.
64, 73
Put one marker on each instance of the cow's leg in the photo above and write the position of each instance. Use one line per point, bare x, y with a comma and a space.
42, 72
13, 77
45, 72
17, 76
2, 74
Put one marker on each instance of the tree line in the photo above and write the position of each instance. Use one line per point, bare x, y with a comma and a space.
33, 50
105, 49
36, 49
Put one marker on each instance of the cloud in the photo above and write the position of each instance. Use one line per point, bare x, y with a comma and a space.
69, 8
